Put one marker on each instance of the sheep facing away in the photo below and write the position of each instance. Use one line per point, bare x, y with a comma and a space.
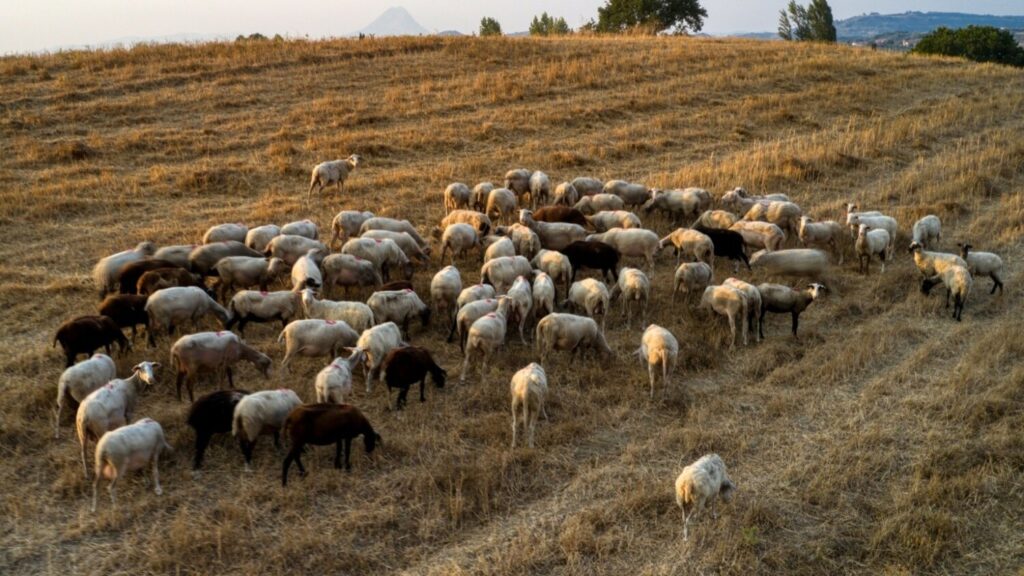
126, 449
731, 303
334, 382
700, 484
529, 389
332, 172
261, 413
80, 380
958, 282
658, 349
633, 286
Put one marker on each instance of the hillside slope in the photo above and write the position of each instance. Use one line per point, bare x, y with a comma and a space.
886, 441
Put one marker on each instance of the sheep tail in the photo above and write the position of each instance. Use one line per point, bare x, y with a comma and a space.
237, 424
280, 337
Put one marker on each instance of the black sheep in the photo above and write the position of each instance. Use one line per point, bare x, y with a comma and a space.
593, 254
85, 334
212, 414
405, 366
727, 243
126, 310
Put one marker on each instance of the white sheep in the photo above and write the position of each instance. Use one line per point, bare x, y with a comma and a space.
485, 336
607, 219
80, 380
871, 242
245, 272
587, 186
632, 286
927, 231
958, 282
554, 264
569, 332
375, 343
480, 193
828, 233
225, 233
700, 484
599, 203
315, 337
127, 449
204, 257
468, 314
252, 306
459, 239
408, 244
753, 305
291, 247
631, 194
543, 295
108, 270
886, 223
501, 204
346, 224
171, 307
501, 246
332, 172
540, 189
257, 238
260, 413
346, 270
658, 349
520, 296
852, 210
445, 289
785, 215
474, 293
306, 273
529, 389
518, 181
501, 272
731, 303
400, 307
334, 383
760, 235
691, 277
566, 194
393, 225
177, 254
984, 264
800, 262
695, 245
111, 405
783, 299
306, 228
478, 220
526, 241
715, 219
634, 242
679, 204
385, 255
210, 352
357, 315
456, 195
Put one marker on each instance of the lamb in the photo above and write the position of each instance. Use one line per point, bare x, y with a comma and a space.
480, 221
305, 272
385, 255
678, 204
84, 334
785, 215
800, 262
958, 283
245, 272
518, 181
594, 255
162, 278
128, 278
346, 224
984, 264
886, 223
540, 189
291, 247
315, 337
695, 245
306, 228
261, 413
554, 264
257, 238
543, 295
480, 193
521, 303
782, 299
224, 232
459, 238
126, 310
405, 366
334, 382
928, 231
760, 235
474, 293
211, 352
715, 219
469, 313
635, 242
323, 424
501, 246
658, 348
691, 277
456, 195
332, 172
400, 307
631, 194
356, 314
598, 203
529, 389
107, 270
252, 306
633, 286
393, 225
566, 195
111, 405
501, 204
408, 244
569, 332
565, 214
80, 380
501, 272
445, 288
700, 484
172, 306
587, 186
820, 233
869, 243
203, 259
211, 414
346, 270
753, 305
486, 335
606, 220
376, 343
729, 302
177, 254
127, 449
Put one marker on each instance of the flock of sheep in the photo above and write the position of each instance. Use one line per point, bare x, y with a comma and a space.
531, 259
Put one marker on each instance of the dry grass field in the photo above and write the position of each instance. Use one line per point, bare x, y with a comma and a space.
889, 440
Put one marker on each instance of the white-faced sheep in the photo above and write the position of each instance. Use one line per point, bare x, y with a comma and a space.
927, 231
456, 196
853, 210
478, 220
554, 264
486, 335
753, 305
543, 295
958, 282
346, 270
474, 293
587, 186
634, 242
290, 247
260, 413
346, 224
691, 278
566, 195
529, 389
501, 205
111, 405
172, 307
210, 352
332, 172
607, 219
658, 349
306, 273
445, 288
697, 246
760, 235
334, 383
127, 449
731, 303
226, 232
632, 286
500, 246
80, 380
781, 299
984, 264
798, 262
245, 272
871, 242
501, 272
599, 203
375, 343
520, 296
560, 332
400, 307
257, 238
252, 306
886, 223
107, 270
480, 193
700, 484
385, 255
459, 239
785, 215
828, 233
315, 337
355, 314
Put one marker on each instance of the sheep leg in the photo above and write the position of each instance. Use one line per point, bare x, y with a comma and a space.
202, 441
178, 382
95, 486
85, 468
732, 330
246, 447
423, 384
337, 454
686, 524
112, 489
231, 382
465, 367
796, 323
293, 455
650, 372
156, 474
348, 454
514, 406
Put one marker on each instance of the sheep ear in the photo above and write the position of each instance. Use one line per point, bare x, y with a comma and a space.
156, 365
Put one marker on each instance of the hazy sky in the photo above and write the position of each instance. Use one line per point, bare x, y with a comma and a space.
29, 25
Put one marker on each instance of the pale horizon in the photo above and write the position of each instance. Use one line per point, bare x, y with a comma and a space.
46, 25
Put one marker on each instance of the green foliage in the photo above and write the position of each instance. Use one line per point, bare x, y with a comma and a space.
257, 37
545, 25
489, 27
813, 23
679, 16
978, 43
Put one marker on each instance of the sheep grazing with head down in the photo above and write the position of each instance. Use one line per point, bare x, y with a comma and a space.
498, 246
486, 335
412, 249
828, 233
107, 270
518, 181
679, 205
540, 189
700, 484
632, 194
753, 305
658, 349
525, 241
785, 215
590, 296
469, 313
209, 353
781, 299
553, 214
594, 255
691, 277
715, 219
306, 228
502, 272
445, 288
405, 366
331, 172
162, 278
400, 307
543, 295
478, 220
633, 242
459, 239
607, 219
235, 232
172, 307
554, 264
312, 338
376, 343
126, 310
291, 247
346, 224
958, 282
111, 405
204, 258
252, 306
560, 332
479, 195
334, 382
566, 195
211, 414
871, 242
261, 413
80, 380
697, 246
356, 314
324, 424
126, 449
475, 292
586, 186
177, 254
984, 264
728, 244
306, 273
553, 235
346, 270
128, 278
257, 238
501, 205
760, 235
633, 286
731, 303
385, 255
599, 203
245, 272
529, 389
393, 225
84, 334
521, 303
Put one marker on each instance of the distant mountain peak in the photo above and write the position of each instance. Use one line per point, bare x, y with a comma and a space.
395, 21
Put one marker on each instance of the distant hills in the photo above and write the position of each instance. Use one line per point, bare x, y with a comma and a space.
870, 26
395, 21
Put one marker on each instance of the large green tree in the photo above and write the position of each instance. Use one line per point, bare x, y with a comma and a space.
813, 23
978, 43
678, 16
545, 25
489, 27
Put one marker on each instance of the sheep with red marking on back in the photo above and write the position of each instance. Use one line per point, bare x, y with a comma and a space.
261, 413
258, 306
209, 353
400, 307
173, 307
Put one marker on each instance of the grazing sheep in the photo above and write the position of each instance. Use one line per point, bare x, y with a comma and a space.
569, 332
291, 247
984, 264
356, 314
334, 382
126, 449
324, 424
501, 272
211, 352
691, 277
315, 337
799, 262
305, 272
540, 189
261, 413
869, 243
486, 335
469, 313
958, 282
346, 224
501, 246
715, 219
658, 348
177, 254
631, 194
566, 195
80, 380
245, 272
107, 270
171, 307
566, 214
306, 228
111, 405
634, 242
474, 293
332, 172
445, 288
633, 286
760, 235
456, 195
385, 255
696, 245
753, 305
400, 307
376, 343
412, 249
252, 306
587, 186
554, 264
700, 484
257, 238
405, 366
235, 232
739, 201
128, 278
543, 295
480, 193
529, 388
459, 238
599, 203
785, 215
84, 334
781, 299
212, 414
393, 225
203, 259
478, 220
167, 278
346, 270
521, 297
928, 231
820, 233
731, 303
126, 310
518, 181
886, 223
606, 220
525, 241
594, 255
677, 204
501, 204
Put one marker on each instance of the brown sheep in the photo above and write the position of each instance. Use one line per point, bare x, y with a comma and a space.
323, 424
560, 214
161, 278
126, 310
128, 278
85, 334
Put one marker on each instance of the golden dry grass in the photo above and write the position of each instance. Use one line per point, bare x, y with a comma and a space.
888, 442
